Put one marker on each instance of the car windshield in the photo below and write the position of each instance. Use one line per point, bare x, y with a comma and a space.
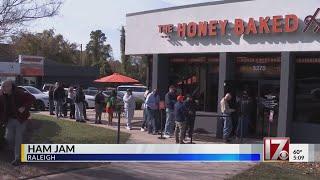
33, 90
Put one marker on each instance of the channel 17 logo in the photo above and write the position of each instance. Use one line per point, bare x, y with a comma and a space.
276, 149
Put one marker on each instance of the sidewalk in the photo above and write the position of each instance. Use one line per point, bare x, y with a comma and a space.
155, 171
138, 137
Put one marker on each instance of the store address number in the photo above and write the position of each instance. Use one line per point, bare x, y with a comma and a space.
259, 68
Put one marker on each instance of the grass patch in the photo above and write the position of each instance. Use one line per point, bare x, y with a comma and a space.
267, 171
48, 130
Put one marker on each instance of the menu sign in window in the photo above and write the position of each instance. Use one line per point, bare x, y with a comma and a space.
258, 66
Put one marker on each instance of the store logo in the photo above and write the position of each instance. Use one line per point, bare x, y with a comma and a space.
276, 149
263, 25
312, 20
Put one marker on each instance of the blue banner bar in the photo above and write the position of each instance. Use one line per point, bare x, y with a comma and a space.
148, 157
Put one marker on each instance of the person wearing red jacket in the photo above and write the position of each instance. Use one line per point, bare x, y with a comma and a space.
14, 112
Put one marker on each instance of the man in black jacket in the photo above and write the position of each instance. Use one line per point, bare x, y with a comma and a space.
170, 100
99, 105
191, 114
59, 98
79, 101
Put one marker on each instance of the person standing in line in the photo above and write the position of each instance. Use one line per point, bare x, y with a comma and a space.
99, 104
180, 112
14, 113
245, 111
111, 102
129, 107
51, 101
65, 102
191, 115
58, 97
145, 113
79, 101
170, 100
226, 113
152, 105
71, 98
84, 109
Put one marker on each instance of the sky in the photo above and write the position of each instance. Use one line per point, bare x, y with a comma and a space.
77, 18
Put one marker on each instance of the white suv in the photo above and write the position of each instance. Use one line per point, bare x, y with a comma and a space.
137, 91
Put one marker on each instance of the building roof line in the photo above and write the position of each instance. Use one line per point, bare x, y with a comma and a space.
186, 6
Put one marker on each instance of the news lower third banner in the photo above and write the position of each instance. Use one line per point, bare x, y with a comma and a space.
166, 153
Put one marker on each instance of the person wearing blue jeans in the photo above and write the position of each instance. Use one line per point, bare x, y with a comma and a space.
145, 112
58, 97
170, 123
152, 105
243, 126
227, 126
226, 116
145, 119
170, 100
245, 108
151, 121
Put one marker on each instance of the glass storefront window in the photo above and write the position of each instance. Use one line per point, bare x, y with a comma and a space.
307, 90
197, 76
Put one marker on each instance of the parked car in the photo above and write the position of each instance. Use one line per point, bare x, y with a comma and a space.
90, 103
92, 88
137, 91
90, 92
42, 99
88, 98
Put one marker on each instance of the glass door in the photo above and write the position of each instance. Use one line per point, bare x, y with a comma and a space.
268, 107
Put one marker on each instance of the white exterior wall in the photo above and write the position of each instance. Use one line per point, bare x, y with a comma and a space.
9, 69
143, 36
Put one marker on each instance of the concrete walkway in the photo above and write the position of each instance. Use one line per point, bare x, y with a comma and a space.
137, 137
154, 171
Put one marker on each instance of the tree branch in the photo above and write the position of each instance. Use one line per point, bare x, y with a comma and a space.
14, 13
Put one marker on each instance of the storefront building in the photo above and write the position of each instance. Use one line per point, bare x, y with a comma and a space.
270, 48
36, 71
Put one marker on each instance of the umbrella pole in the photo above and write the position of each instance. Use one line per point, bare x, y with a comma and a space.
118, 132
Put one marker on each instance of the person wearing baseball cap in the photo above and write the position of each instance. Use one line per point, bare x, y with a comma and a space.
180, 112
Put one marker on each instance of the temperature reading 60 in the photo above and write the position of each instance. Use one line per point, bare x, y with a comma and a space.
297, 151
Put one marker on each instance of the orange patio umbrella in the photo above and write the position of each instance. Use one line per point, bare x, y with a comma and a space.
116, 78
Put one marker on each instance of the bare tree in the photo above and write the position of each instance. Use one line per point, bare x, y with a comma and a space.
15, 13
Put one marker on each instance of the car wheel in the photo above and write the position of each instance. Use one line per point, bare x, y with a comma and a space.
40, 106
